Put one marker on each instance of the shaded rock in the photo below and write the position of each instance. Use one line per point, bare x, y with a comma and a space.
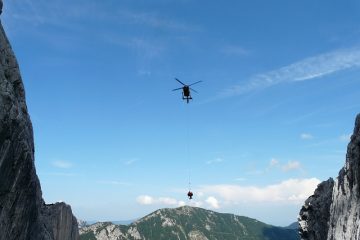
23, 213
315, 213
60, 221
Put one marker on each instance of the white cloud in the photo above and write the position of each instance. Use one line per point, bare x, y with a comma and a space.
149, 200
217, 160
306, 69
196, 203
181, 203
289, 191
145, 200
291, 165
345, 137
306, 136
62, 164
213, 202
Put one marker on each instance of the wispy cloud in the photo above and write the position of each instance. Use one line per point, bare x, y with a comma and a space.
273, 162
307, 69
306, 136
287, 167
154, 20
41, 12
144, 47
131, 161
62, 164
34, 15
150, 49
234, 50
216, 160
291, 165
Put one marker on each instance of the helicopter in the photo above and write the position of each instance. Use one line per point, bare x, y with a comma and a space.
186, 90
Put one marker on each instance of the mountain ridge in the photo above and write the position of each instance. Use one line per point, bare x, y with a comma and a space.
188, 223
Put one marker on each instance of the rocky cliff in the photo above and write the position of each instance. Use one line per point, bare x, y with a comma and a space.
333, 212
23, 213
188, 223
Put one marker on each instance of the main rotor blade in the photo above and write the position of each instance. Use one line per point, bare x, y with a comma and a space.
180, 81
195, 83
193, 90
177, 89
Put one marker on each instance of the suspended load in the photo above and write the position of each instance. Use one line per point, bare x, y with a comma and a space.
190, 195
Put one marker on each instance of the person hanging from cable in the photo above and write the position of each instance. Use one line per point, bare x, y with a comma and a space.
190, 195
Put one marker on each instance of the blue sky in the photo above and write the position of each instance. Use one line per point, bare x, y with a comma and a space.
272, 118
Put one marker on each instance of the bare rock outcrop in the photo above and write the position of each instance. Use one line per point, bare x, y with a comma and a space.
333, 212
316, 212
23, 213
60, 220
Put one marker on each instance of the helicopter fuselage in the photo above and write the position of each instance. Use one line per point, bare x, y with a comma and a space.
186, 91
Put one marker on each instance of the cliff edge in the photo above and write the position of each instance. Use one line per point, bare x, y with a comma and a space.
333, 212
23, 212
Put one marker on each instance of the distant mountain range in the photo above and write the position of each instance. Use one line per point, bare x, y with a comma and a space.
189, 223
82, 223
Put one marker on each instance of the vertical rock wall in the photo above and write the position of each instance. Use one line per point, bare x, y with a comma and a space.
333, 212
23, 213
345, 208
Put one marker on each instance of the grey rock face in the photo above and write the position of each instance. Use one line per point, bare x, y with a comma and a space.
23, 213
315, 213
333, 212
59, 219
345, 208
